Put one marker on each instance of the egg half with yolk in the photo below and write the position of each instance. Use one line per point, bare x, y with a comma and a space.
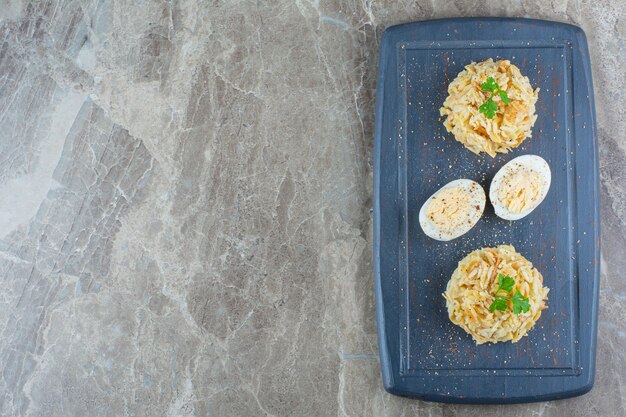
453, 210
520, 186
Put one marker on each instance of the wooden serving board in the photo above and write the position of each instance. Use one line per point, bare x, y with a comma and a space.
422, 353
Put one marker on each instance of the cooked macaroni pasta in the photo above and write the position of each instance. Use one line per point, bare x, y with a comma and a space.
512, 122
472, 287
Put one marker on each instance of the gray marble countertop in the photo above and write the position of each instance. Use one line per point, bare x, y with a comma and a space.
185, 193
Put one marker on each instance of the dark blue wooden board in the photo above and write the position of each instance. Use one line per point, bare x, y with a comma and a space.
422, 353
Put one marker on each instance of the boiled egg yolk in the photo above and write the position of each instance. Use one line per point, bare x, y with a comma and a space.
520, 190
449, 209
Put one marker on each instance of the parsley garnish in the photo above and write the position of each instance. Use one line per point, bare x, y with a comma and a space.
520, 303
499, 303
506, 283
502, 298
489, 107
490, 85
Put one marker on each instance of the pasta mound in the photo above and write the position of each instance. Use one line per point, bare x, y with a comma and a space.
471, 290
512, 123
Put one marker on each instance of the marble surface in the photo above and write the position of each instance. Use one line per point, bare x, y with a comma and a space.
185, 193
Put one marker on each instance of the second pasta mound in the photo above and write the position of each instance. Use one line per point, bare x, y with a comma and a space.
478, 303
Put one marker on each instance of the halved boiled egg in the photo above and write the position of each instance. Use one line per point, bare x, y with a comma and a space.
453, 210
520, 186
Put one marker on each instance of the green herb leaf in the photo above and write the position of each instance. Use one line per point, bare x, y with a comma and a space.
504, 96
488, 108
520, 303
499, 303
490, 85
506, 283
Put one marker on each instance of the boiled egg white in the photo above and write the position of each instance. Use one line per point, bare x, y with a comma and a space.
453, 210
520, 186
